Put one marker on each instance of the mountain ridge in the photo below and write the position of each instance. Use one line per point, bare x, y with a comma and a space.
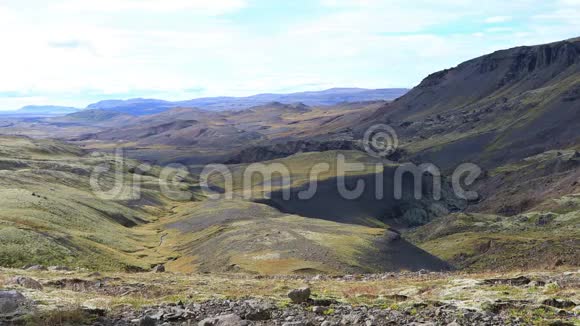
325, 97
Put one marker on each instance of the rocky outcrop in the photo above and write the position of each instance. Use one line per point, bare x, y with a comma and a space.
12, 304
26, 282
266, 153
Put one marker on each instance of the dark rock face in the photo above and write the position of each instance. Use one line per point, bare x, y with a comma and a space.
518, 281
562, 304
527, 60
484, 93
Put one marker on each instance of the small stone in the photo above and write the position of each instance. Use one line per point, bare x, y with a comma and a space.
299, 295
318, 277
318, 309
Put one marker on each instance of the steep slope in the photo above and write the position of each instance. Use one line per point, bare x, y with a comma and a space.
516, 114
494, 109
528, 216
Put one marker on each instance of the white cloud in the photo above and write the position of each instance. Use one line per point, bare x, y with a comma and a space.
497, 19
203, 7
498, 29
62, 51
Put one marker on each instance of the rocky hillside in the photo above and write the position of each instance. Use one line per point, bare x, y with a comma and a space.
420, 298
494, 109
515, 114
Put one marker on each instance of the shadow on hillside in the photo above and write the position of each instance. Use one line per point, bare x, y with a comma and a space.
368, 209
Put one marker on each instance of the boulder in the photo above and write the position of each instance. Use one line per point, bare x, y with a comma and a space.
147, 321
95, 306
158, 269
26, 282
299, 295
11, 302
258, 310
36, 268
225, 320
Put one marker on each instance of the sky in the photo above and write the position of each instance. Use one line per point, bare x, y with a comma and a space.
76, 52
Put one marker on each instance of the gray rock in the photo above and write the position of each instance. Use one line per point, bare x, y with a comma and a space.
11, 302
26, 282
95, 306
225, 320
259, 310
158, 269
299, 295
36, 268
58, 268
147, 321
318, 310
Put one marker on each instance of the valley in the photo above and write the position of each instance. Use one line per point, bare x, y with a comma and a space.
119, 189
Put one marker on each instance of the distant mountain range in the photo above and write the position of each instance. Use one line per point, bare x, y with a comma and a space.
42, 110
327, 97
141, 106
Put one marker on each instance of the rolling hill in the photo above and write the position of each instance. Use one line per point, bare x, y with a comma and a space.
513, 112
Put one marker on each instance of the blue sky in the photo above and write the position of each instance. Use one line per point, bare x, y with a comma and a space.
75, 52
